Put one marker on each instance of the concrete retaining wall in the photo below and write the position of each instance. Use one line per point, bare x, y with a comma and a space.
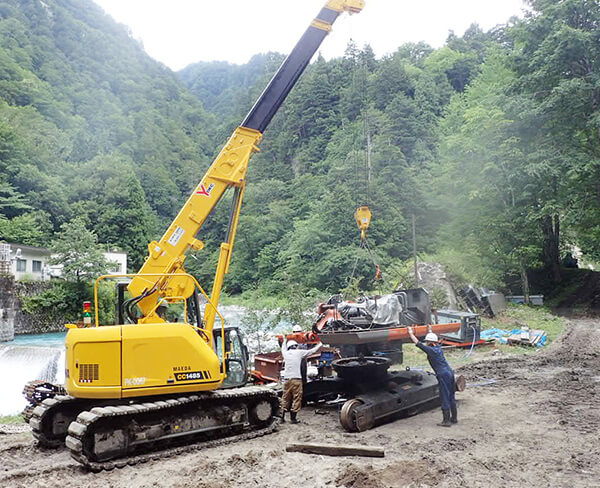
8, 308
14, 320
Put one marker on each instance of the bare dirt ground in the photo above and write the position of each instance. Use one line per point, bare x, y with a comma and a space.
537, 426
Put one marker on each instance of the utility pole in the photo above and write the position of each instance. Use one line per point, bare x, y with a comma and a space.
369, 147
414, 236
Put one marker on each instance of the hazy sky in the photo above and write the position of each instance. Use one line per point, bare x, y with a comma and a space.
180, 32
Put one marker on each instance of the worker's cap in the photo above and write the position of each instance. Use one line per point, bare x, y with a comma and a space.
291, 344
296, 328
431, 337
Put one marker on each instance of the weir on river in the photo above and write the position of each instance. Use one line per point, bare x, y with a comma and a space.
37, 357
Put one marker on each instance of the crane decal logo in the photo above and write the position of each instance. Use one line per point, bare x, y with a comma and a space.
204, 191
193, 375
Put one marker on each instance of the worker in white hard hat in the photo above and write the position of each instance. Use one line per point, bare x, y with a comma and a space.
443, 372
296, 328
291, 401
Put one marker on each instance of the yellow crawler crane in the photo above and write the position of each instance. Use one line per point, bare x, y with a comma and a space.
144, 384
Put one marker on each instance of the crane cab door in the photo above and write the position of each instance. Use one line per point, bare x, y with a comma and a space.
236, 362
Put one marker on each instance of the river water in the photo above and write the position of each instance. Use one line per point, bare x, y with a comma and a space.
27, 358
42, 357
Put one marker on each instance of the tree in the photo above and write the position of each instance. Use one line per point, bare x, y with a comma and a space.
78, 252
32, 229
257, 327
113, 201
557, 58
491, 195
11, 202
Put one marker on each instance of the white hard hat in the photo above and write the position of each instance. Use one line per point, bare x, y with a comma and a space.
431, 337
291, 344
296, 328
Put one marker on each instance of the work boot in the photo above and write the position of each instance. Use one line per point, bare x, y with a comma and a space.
446, 421
453, 417
293, 418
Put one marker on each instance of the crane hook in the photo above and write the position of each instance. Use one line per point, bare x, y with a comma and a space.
363, 219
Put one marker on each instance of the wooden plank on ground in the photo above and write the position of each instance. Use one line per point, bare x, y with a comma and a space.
332, 450
535, 336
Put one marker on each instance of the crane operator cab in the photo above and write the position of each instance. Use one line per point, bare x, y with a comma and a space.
236, 363
172, 354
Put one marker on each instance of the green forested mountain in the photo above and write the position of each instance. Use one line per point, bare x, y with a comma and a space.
355, 130
491, 142
226, 89
90, 125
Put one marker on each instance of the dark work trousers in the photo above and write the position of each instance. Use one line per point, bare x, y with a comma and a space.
445, 379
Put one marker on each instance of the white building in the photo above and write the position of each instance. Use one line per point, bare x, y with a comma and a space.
120, 260
31, 263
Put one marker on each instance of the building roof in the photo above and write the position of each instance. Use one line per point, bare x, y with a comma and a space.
24, 247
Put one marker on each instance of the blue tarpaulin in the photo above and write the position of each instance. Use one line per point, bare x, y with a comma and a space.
502, 335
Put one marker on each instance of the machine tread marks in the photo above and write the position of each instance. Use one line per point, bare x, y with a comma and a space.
82, 428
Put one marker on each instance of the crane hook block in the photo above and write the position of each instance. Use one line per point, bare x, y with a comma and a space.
363, 219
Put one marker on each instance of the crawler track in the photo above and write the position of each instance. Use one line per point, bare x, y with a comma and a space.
50, 419
35, 392
114, 436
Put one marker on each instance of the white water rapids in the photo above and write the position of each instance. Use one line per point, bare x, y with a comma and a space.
20, 364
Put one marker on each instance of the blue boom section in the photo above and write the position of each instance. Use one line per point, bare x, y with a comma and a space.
286, 77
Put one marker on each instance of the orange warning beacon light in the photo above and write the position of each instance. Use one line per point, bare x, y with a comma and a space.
363, 219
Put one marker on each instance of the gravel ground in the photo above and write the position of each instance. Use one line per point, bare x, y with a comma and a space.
536, 426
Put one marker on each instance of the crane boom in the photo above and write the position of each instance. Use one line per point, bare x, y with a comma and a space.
169, 369
166, 257
280, 85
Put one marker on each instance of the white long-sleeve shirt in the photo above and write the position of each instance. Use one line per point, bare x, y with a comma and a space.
293, 358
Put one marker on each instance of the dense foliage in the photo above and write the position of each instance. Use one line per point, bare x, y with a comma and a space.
354, 131
521, 146
491, 142
90, 126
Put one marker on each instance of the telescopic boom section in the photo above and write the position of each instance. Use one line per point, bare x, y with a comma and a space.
166, 257
278, 88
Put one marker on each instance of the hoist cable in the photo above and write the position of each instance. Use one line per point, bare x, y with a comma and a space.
354, 140
353, 270
367, 137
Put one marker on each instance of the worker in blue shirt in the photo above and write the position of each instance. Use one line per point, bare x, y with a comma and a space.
444, 373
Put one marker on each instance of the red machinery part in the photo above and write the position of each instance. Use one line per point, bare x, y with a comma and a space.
401, 334
383, 334
300, 337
